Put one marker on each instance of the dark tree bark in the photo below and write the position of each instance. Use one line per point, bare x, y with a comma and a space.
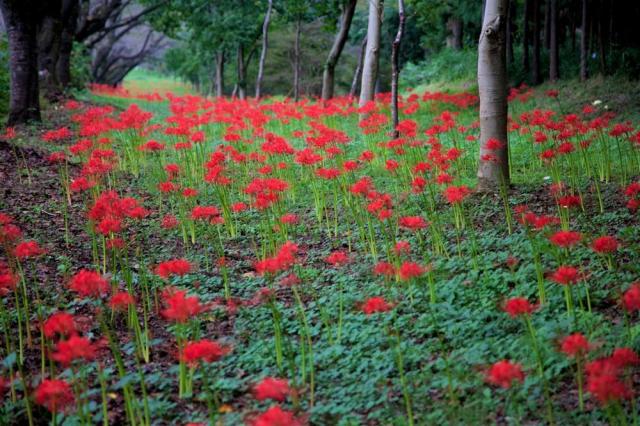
265, 46
554, 56
454, 26
525, 36
21, 21
601, 39
70, 9
395, 68
296, 62
536, 43
584, 44
219, 82
511, 11
357, 74
241, 84
493, 168
547, 23
49, 33
328, 75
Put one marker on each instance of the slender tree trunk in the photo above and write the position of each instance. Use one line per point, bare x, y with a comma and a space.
265, 45
510, 14
20, 20
584, 52
395, 68
525, 36
601, 41
328, 76
220, 73
70, 11
357, 74
370, 65
536, 42
296, 62
454, 39
554, 57
547, 24
50, 30
493, 169
241, 89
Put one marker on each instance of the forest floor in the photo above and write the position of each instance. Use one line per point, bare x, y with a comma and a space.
446, 345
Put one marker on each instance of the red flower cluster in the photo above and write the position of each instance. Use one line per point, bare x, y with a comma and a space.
180, 307
604, 376
89, 284
504, 373
173, 267
575, 345
283, 260
276, 416
605, 245
375, 305
565, 275
631, 298
202, 351
337, 258
55, 395
517, 306
272, 388
75, 348
456, 194
565, 239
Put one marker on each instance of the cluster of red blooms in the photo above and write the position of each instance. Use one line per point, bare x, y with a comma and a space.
173, 267
533, 221
89, 284
632, 192
180, 307
607, 378
109, 212
283, 260
504, 373
201, 351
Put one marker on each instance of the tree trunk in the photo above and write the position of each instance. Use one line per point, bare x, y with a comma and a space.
296, 62
536, 42
554, 57
525, 36
370, 65
70, 10
454, 26
21, 20
601, 41
511, 11
328, 76
241, 84
265, 45
493, 169
357, 74
50, 30
584, 52
395, 68
547, 23
220, 73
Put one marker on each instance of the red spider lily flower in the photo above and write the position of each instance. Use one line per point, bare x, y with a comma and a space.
169, 221
569, 201
180, 308
204, 213
565, 275
605, 245
402, 247
121, 301
238, 207
493, 144
283, 260
565, 239
504, 373
60, 324
27, 249
202, 351
8, 282
603, 381
409, 270
337, 258
172, 170
444, 179
76, 348
512, 262
81, 183
624, 357
56, 135
517, 306
631, 298
290, 280
384, 268
375, 305
57, 157
167, 187
9, 133
55, 395
88, 284
289, 219
276, 416
412, 222
456, 194
575, 345
151, 146
272, 388
9, 233
173, 267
